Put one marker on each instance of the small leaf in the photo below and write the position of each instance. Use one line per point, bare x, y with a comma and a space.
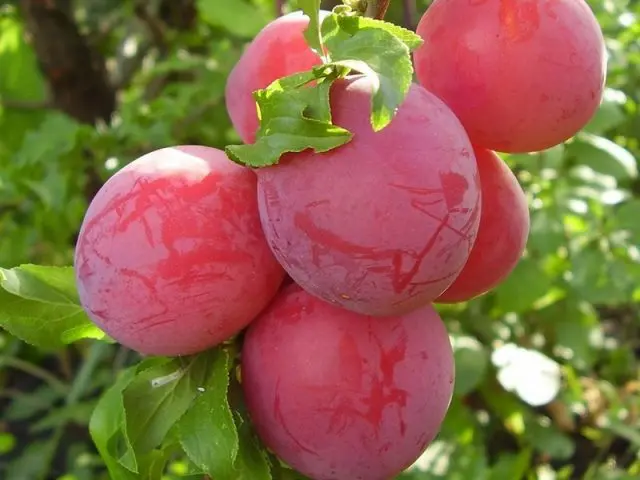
78, 414
294, 117
376, 53
239, 17
252, 462
512, 296
574, 326
32, 464
207, 430
40, 306
603, 156
45, 284
158, 396
610, 114
626, 218
108, 427
29, 404
471, 361
352, 24
600, 278
312, 34
548, 439
511, 466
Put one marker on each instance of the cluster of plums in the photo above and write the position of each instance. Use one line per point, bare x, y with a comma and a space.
347, 369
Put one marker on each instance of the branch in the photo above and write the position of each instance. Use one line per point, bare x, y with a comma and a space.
126, 66
409, 13
26, 104
153, 24
377, 8
180, 15
279, 8
75, 72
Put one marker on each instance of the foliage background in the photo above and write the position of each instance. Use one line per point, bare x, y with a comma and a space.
88, 86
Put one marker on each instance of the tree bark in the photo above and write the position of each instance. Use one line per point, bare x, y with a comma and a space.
76, 73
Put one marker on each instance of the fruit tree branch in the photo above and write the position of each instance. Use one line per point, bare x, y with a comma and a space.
377, 8
76, 74
409, 13
25, 104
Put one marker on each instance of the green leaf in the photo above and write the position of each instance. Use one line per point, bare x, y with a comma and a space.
623, 430
40, 306
604, 156
352, 24
472, 361
374, 50
574, 325
526, 284
207, 431
460, 424
511, 466
78, 413
29, 404
252, 462
33, 463
450, 460
23, 81
294, 117
56, 136
158, 396
238, 17
626, 218
601, 279
610, 114
108, 427
548, 439
312, 34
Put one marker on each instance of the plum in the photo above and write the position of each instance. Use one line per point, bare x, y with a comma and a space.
279, 50
342, 396
521, 75
171, 258
502, 234
385, 223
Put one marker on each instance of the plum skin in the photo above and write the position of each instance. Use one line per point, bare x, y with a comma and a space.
521, 75
171, 258
502, 234
277, 51
385, 223
338, 395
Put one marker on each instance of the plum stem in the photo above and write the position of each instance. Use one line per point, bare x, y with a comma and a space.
377, 8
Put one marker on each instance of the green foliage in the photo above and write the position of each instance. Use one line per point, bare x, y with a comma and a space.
296, 115
573, 299
40, 306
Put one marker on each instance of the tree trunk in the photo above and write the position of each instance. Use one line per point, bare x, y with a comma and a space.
76, 73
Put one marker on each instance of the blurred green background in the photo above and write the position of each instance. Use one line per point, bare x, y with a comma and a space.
547, 365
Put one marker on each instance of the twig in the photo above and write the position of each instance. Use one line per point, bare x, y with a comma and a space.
126, 67
279, 8
35, 371
153, 24
26, 104
377, 8
409, 13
